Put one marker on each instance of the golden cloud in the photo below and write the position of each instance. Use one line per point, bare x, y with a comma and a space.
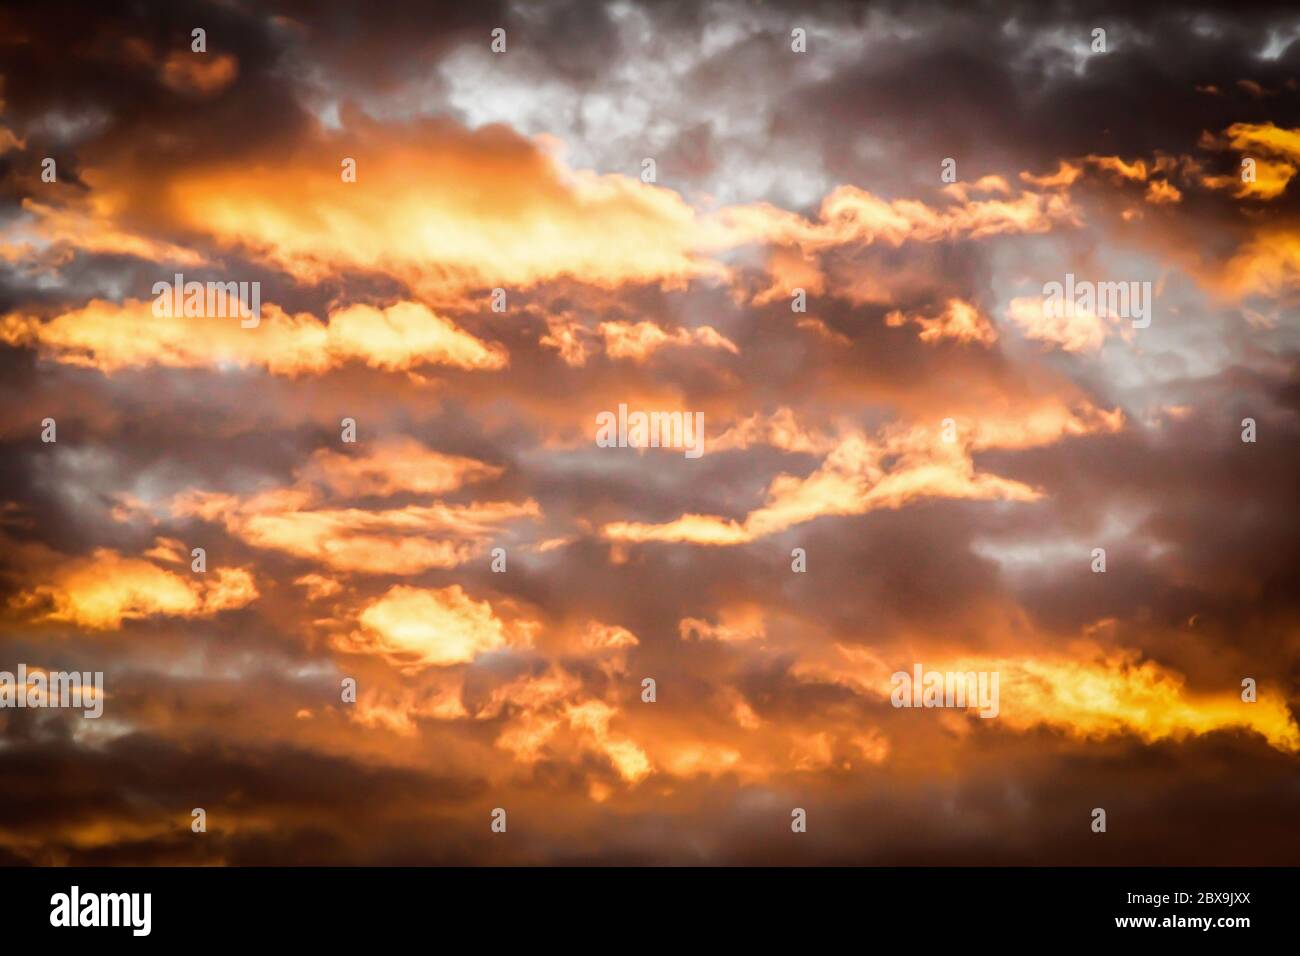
413, 628
603, 637
1267, 265
741, 623
437, 205
636, 341
1135, 171
1091, 695
853, 216
960, 321
781, 429
107, 588
393, 465
406, 540
1276, 155
389, 541
1162, 192
446, 210
1065, 176
1073, 330
111, 337
639, 340
853, 478
549, 716
91, 225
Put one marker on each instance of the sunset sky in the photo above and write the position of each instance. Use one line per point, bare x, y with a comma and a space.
668, 286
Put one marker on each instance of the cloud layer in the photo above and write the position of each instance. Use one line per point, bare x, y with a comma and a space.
840, 258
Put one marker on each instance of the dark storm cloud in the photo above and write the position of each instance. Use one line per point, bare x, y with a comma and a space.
262, 804
1008, 93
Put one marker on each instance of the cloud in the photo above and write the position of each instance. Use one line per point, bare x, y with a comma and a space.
850, 215
1090, 696
422, 627
1160, 192
638, 341
48, 235
946, 456
199, 75
960, 321
1065, 176
1135, 171
738, 624
106, 588
300, 520
440, 207
1075, 329
857, 476
600, 637
112, 337
851, 480
390, 466
1275, 153
402, 541
1267, 265
780, 430
548, 724
446, 210
635, 341
318, 586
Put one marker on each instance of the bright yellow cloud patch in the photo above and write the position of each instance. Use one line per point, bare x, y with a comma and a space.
112, 337
107, 588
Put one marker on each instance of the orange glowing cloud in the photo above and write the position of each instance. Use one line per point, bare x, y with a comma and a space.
781, 429
9, 141
1268, 265
390, 466
438, 205
107, 588
399, 710
199, 75
569, 337
854, 216
854, 479
297, 519
639, 340
960, 321
111, 337
1272, 154
413, 628
1275, 155
1065, 176
1136, 171
550, 716
92, 225
603, 637
446, 210
592, 718
1162, 192
744, 623
1088, 696
1073, 330
985, 184
386, 541
318, 586
851, 480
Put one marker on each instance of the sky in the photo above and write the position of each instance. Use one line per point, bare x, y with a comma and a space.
439, 617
